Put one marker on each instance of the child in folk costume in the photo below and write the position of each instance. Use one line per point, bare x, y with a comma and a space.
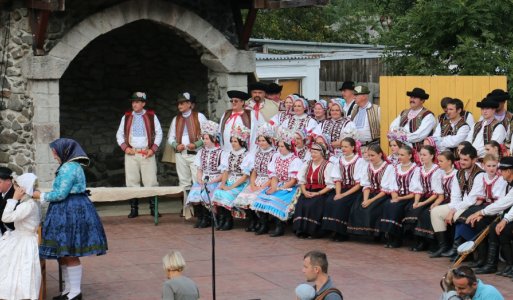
235, 167
300, 119
431, 181
446, 160
377, 185
259, 178
286, 113
276, 199
300, 145
317, 186
405, 186
347, 174
19, 255
208, 161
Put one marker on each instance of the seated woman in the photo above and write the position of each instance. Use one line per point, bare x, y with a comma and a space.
324, 140
347, 174
235, 167
286, 113
19, 255
431, 181
300, 119
300, 145
259, 178
208, 161
377, 184
320, 110
406, 185
276, 200
336, 127
316, 188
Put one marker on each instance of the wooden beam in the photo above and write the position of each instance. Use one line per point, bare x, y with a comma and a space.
51, 5
39, 24
237, 17
248, 28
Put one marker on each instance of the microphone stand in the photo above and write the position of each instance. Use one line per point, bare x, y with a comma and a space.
210, 207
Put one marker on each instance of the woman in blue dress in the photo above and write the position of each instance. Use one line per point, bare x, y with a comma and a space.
235, 165
72, 227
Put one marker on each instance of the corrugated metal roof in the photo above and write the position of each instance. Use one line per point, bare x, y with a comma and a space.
264, 56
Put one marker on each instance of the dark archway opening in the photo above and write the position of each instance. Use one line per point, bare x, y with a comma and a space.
94, 92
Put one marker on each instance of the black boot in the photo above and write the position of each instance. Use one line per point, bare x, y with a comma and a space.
453, 251
492, 261
198, 213
152, 208
134, 208
481, 256
206, 220
228, 220
507, 254
252, 220
442, 244
421, 245
264, 225
396, 241
220, 217
280, 228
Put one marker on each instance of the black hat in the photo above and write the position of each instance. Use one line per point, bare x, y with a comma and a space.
418, 93
347, 85
506, 163
138, 96
487, 103
498, 95
183, 97
257, 86
239, 95
274, 88
5, 173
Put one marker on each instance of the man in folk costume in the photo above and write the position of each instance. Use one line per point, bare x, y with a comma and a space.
488, 129
365, 116
347, 91
185, 138
259, 104
455, 130
418, 122
238, 115
6, 192
139, 136
502, 114
465, 114
464, 192
273, 92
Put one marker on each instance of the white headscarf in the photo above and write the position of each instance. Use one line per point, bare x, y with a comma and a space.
27, 181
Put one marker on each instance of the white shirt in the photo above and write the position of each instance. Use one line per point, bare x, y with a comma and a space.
387, 181
185, 134
360, 169
139, 142
347, 106
364, 134
462, 202
498, 135
237, 121
426, 126
450, 141
328, 180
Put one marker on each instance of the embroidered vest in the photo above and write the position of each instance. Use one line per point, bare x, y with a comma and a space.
447, 129
404, 180
373, 117
234, 162
347, 172
315, 178
149, 125
298, 123
301, 153
246, 119
467, 184
425, 180
375, 177
333, 128
414, 123
487, 132
193, 127
446, 185
210, 160
282, 167
262, 160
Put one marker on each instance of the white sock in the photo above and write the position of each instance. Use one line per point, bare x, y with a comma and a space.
75, 279
65, 276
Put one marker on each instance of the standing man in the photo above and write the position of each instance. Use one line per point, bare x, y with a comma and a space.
273, 92
259, 104
139, 136
454, 130
417, 121
488, 128
365, 116
501, 113
185, 138
315, 268
347, 91
7, 191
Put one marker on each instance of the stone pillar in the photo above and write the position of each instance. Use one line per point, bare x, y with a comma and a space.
218, 84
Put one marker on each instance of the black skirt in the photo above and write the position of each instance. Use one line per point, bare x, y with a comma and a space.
308, 214
393, 214
336, 212
424, 227
364, 221
412, 217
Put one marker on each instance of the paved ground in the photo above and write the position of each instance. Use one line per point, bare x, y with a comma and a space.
249, 266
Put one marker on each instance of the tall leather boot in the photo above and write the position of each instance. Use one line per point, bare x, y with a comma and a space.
134, 208
492, 261
507, 254
152, 207
396, 241
220, 217
206, 221
481, 256
453, 251
252, 220
421, 244
280, 228
198, 213
228, 220
442, 244
264, 225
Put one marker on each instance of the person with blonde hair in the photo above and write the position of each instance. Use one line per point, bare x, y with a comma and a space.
177, 286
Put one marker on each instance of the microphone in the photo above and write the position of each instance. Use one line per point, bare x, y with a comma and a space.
206, 179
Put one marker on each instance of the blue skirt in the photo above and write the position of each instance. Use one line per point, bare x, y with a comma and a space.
72, 228
226, 198
279, 204
198, 195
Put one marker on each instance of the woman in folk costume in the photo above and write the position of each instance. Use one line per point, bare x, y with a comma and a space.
280, 117
446, 160
19, 255
431, 183
208, 161
300, 119
259, 178
236, 168
377, 185
347, 174
317, 186
396, 139
300, 145
405, 186
276, 200
325, 141
336, 128
72, 227
320, 111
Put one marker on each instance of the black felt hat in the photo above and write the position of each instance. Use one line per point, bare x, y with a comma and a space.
5, 173
138, 96
506, 163
238, 94
498, 95
183, 97
418, 93
347, 85
274, 88
487, 103
260, 86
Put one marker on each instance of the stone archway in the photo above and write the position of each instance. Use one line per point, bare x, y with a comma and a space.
227, 66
